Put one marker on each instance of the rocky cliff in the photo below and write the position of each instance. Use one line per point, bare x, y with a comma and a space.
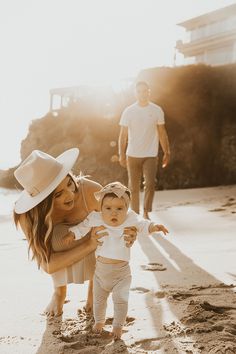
200, 107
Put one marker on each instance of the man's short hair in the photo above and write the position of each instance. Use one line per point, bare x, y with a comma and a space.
142, 83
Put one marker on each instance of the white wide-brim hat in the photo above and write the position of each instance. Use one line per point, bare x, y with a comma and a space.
39, 174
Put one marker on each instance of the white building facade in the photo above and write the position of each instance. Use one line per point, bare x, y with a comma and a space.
210, 38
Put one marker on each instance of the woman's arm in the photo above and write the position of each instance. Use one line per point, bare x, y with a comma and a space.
59, 260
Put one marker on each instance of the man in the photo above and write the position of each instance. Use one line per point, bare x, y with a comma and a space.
142, 126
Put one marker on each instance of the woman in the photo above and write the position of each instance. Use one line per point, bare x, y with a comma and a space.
53, 200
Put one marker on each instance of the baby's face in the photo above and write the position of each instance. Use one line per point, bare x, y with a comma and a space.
114, 211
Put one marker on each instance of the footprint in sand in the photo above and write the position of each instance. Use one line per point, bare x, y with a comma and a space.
149, 345
229, 204
89, 349
219, 348
153, 266
160, 294
217, 209
182, 295
231, 201
141, 290
129, 321
213, 286
217, 309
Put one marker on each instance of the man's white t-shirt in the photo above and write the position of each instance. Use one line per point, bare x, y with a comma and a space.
143, 140
113, 246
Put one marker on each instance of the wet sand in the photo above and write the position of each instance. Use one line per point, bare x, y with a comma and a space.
189, 307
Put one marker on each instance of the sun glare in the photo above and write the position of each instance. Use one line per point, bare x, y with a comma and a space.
53, 44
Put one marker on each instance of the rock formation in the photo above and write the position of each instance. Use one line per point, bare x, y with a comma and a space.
199, 102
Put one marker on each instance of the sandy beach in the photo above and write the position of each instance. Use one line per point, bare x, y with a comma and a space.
189, 307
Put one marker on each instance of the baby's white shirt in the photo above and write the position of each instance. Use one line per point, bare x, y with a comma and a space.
113, 245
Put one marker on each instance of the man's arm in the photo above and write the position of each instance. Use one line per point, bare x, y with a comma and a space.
123, 140
164, 141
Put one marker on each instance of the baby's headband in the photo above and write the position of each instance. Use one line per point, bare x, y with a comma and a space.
117, 188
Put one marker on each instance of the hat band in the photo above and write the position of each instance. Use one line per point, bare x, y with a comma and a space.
44, 183
33, 192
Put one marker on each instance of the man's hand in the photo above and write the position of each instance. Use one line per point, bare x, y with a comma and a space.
122, 160
166, 159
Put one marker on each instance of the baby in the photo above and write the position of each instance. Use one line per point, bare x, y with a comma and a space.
112, 272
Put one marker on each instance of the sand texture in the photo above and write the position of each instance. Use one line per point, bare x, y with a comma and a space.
186, 306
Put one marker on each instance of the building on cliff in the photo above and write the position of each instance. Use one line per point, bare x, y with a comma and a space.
210, 38
69, 97
65, 96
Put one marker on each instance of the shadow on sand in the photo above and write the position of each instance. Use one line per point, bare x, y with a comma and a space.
203, 308
205, 312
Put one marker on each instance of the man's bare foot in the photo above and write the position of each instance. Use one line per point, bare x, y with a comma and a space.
55, 306
145, 215
117, 332
97, 328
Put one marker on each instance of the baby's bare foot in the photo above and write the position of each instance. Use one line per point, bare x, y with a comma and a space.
117, 332
97, 328
55, 306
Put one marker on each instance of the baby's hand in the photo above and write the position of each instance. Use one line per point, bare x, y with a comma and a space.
157, 228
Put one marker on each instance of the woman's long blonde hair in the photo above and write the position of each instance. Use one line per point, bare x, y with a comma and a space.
39, 228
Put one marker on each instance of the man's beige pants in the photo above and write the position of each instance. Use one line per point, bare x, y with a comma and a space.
115, 279
138, 167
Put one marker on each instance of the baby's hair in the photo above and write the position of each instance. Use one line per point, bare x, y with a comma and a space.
113, 195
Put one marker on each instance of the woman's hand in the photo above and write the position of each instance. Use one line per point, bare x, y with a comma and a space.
68, 239
130, 235
97, 233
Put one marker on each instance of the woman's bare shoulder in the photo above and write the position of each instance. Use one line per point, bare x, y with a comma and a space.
91, 186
